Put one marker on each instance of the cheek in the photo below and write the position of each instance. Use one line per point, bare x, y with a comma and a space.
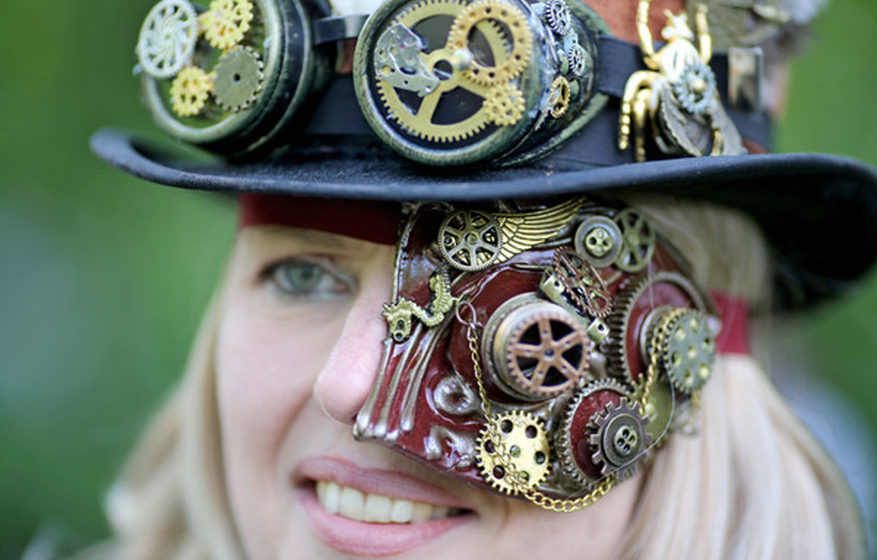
266, 365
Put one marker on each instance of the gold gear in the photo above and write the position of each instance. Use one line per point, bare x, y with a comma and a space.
226, 22
513, 452
505, 105
558, 97
508, 64
420, 123
688, 351
189, 91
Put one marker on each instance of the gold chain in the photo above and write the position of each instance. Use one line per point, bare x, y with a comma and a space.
533, 495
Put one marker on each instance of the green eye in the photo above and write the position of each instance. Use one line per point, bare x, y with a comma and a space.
307, 279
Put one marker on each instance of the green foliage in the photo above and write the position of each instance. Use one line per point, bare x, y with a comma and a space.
104, 277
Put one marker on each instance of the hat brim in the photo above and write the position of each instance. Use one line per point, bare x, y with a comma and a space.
818, 211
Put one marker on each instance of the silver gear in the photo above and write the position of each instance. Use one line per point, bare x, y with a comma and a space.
579, 60
239, 78
557, 16
167, 38
619, 436
562, 443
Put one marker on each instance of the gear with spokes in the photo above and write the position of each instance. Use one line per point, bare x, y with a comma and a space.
470, 240
167, 38
638, 241
513, 452
419, 115
509, 61
558, 97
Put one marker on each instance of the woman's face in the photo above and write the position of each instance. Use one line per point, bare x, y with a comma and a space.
298, 347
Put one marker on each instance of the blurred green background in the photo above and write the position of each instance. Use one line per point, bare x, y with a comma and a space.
103, 277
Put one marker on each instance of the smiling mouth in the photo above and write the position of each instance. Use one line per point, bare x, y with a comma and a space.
352, 504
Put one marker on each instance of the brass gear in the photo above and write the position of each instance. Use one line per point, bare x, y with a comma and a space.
558, 97
562, 441
167, 38
505, 105
513, 452
689, 351
226, 22
189, 91
470, 240
639, 241
620, 438
508, 63
582, 283
418, 122
238, 78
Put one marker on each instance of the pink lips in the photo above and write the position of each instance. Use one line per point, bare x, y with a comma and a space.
372, 539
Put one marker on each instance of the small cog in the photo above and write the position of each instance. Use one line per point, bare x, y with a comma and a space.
579, 60
508, 62
558, 97
226, 22
505, 105
619, 436
583, 284
167, 38
189, 91
689, 351
470, 240
513, 452
557, 16
639, 241
238, 78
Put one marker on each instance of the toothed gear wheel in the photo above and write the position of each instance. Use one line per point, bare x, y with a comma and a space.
470, 240
579, 60
558, 97
167, 38
619, 436
226, 22
545, 352
509, 61
636, 298
639, 241
572, 432
513, 452
557, 16
505, 105
419, 120
689, 351
238, 79
189, 91
582, 283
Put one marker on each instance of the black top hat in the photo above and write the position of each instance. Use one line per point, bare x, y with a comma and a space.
466, 100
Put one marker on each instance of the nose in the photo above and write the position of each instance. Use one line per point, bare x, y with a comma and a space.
347, 376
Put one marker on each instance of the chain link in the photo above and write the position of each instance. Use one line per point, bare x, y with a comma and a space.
504, 457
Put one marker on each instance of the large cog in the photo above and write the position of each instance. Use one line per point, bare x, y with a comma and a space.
508, 63
419, 121
238, 79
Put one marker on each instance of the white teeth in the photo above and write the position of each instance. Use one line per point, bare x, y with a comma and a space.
375, 508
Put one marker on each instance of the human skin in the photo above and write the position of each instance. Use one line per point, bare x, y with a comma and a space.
295, 360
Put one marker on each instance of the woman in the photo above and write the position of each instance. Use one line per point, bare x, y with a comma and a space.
580, 360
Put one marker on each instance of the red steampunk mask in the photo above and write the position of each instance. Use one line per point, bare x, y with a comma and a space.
544, 352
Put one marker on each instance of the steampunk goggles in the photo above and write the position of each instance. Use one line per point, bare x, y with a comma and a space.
442, 82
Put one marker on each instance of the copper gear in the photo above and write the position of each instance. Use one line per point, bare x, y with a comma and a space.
505, 105
561, 441
513, 452
553, 372
189, 91
226, 22
508, 63
421, 125
558, 97
618, 433
582, 283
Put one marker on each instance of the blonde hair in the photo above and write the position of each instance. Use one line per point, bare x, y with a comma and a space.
753, 484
